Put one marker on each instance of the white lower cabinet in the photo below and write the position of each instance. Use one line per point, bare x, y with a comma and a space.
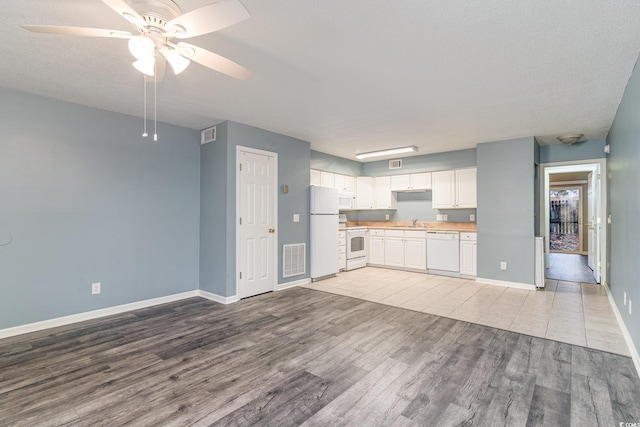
376, 247
394, 248
468, 254
406, 249
415, 248
342, 250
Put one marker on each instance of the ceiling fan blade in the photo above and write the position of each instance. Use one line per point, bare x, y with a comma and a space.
126, 11
78, 31
207, 19
213, 61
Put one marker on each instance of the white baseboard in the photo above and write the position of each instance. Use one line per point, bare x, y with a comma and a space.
625, 332
217, 298
282, 286
88, 315
516, 285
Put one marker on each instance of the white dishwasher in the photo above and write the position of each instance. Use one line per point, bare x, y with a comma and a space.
443, 251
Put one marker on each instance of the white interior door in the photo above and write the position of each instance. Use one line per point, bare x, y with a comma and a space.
257, 178
591, 250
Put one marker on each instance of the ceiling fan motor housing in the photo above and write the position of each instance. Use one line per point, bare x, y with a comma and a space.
156, 13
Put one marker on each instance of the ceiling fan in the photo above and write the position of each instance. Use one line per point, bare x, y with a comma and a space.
158, 22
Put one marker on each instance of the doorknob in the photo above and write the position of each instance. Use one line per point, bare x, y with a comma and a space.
272, 230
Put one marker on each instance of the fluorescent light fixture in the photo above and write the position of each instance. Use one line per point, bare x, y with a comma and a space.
388, 152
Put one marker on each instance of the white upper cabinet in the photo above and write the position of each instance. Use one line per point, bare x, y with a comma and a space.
327, 179
411, 182
364, 192
384, 198
466, 188
315, 177
350, 183
454, 189
400, 182
421, 181
443, 196
345, 183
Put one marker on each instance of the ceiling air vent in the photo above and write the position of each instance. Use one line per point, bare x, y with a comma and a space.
395, 164
208, 135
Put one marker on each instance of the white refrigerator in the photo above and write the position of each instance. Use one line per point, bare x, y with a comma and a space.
324, 232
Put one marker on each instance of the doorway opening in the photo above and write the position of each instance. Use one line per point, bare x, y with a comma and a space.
566, 213
573, 202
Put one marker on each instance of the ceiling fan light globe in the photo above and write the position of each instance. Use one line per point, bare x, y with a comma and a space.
141, 47
178, 62
146, 66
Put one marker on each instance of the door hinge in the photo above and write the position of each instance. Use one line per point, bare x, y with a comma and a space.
598, 176
240, 167
241, 275
240, 220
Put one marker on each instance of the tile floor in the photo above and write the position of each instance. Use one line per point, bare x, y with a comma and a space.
571, 312
571, 267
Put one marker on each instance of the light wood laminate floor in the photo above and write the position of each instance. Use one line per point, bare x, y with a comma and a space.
305, 357
570, 312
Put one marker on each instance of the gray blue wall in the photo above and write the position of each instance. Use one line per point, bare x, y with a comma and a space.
329, 163
624, 205
218, 238
86, 199
585, 150
426, 163
214, 236
506, 210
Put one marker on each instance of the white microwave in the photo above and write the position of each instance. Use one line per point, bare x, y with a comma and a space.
346, 201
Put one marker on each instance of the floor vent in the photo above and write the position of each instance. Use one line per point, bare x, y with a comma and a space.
293, 260
208, 135
395, 164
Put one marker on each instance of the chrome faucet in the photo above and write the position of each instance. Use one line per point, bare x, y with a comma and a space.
414, 222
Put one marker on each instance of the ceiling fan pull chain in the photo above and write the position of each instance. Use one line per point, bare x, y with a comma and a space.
144, 120
155, 103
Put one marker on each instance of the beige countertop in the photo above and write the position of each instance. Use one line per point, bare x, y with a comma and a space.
427, 226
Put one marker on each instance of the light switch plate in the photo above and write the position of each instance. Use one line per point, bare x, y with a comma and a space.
296, 217
445, 217
439, 217
503, 265
472, 217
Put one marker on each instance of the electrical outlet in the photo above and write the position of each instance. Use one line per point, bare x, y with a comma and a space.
625, 298
630, 307
386, 217
95, 288
503, 265
296, 217
472, 217
438, 217
445, 217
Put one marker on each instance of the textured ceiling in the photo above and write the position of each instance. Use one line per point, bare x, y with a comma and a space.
358, 75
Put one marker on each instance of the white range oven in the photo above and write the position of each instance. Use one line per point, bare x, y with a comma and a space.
356, 247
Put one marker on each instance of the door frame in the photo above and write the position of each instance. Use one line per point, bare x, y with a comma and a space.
239, 150
592, 165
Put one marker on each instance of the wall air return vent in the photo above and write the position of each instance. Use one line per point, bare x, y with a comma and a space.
208, 135
395, 164
293, 260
